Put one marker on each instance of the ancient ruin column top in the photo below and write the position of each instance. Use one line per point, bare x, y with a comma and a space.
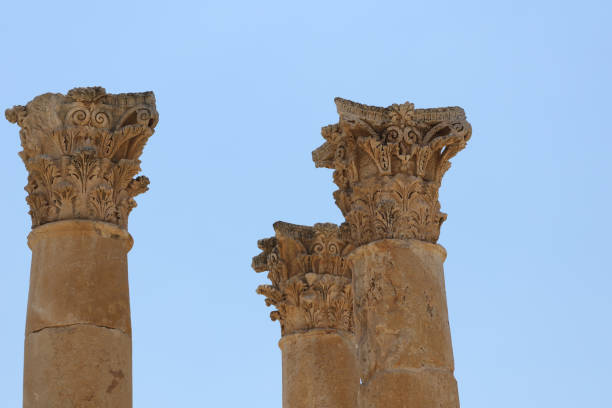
82, 153
311, 281
389, 163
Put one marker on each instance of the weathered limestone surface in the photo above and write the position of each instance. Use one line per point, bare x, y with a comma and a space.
311, 289
81, 151
79, 275
84, 366
401, 320
319, 369
389, 163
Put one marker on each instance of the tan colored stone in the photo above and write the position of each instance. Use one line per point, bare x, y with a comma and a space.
79, 275
401, 317
78, 331
389, 163
400, 305
82, 152
311, 284
311, 289
319, 370
421, 388
78, 366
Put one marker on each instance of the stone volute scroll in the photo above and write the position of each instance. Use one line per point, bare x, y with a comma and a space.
81, 151
389, 163
312, 292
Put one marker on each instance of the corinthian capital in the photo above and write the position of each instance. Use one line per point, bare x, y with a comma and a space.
389, 163
311, 282
82, 153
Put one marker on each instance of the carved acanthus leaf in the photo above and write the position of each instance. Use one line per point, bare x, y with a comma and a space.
81, 151
311, 281
389, 163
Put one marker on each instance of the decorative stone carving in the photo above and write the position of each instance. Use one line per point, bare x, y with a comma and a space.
311, 282
389, 163
82, 153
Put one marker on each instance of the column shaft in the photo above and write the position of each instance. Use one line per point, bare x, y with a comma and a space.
78, 334
319, 370
405, 350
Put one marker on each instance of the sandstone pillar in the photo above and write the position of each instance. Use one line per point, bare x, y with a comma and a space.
311, 289
81, 151
389, 164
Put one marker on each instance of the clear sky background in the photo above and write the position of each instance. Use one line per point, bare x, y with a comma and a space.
243, 88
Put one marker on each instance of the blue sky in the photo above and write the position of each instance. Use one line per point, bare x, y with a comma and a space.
243, 89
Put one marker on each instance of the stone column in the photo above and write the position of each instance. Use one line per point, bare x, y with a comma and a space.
311, 289
81, 151
389, 164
